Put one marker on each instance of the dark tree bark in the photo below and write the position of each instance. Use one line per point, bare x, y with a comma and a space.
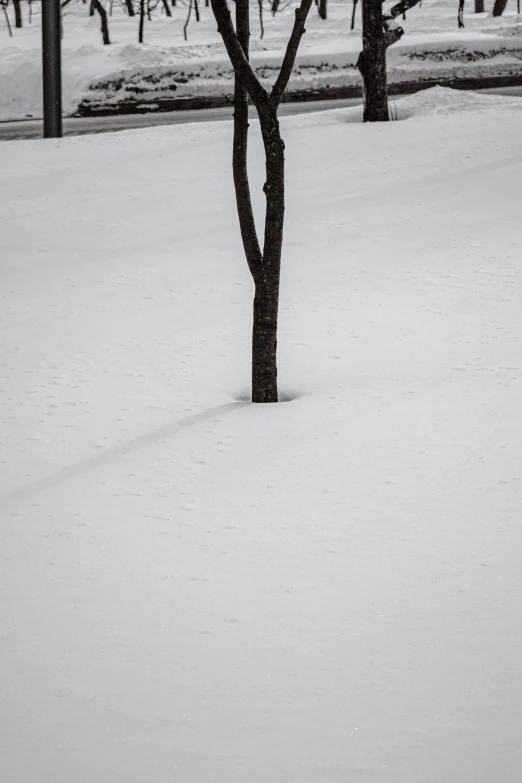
104, 21
142, 21
372, 63
17, 13
166, 8
379, 32
8, 23
322, 11
265, 264
499, 7
130, 7
354, 9
196, 9
187, 21
460, 17
275, 6
479, 6
91, 9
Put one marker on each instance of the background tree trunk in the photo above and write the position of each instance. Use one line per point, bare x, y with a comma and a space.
499, 7
142, 21
354, 9
372, 63
104, 21
17, 13
479, 6
167, 8
322, 9
460, 16
8, 23
130, 7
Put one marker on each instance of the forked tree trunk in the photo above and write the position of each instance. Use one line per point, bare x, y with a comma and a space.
97, 6
130, 7
372, 63
265, 265
499, 7
266, 300
17, 13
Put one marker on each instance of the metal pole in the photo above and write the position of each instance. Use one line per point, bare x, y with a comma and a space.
52, 68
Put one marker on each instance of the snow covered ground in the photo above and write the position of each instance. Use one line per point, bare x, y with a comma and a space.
167, 68
327, 590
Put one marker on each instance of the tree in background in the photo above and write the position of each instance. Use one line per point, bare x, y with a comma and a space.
97, 6
379, 31
17, 13
264, 264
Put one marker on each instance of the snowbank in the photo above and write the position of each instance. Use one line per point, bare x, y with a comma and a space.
198, 589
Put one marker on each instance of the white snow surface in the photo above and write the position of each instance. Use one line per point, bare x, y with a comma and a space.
166, 67
199, 589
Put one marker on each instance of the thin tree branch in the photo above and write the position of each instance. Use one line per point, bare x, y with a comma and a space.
237, 57
247, 222
400, 8
291, 52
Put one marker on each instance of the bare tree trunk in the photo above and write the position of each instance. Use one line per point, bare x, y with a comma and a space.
8, 23
354, 9
322, 9
372, 63
142, 21
104, 21
460, 16
187, 21
499, 7
196, 9
379, 32
130, 7
91, 8
264, 266
275, 6
266, 299
166, 8
17, 13
479, 6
